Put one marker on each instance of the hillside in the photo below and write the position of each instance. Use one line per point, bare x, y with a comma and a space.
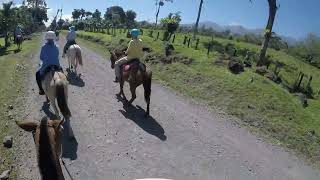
259, 102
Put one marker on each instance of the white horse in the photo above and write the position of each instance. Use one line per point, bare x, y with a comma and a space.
55, 86
74, 57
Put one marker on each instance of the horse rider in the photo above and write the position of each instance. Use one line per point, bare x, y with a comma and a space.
71, 39
49, 56
17, 32
134, 51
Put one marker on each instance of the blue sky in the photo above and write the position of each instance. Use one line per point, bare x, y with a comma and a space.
294, 18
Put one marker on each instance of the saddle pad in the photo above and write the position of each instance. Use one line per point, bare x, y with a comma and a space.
127, 67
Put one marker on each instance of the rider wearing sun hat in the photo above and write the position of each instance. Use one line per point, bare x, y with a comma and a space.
71, 39
49, 56
134, 51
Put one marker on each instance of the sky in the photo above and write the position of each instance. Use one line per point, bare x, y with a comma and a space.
295, 18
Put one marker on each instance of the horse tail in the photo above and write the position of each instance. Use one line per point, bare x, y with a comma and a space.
147, 88
78, 55
62, 99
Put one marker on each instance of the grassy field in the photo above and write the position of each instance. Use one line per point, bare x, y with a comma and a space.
13, 73
263, 105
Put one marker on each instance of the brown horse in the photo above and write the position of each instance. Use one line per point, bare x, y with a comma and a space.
47, 136
135, 77
19, 40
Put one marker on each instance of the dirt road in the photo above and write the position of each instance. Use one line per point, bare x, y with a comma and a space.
181, 140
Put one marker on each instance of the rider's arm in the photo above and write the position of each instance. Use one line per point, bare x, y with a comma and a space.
42, 56
128, 51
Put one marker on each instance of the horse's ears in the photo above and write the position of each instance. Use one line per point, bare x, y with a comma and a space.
27, 125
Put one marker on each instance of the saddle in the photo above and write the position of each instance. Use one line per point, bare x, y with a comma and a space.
51, 69
134, 64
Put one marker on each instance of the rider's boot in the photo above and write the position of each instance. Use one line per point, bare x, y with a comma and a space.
38, 78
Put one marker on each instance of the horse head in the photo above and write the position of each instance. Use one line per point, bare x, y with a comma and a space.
47, 136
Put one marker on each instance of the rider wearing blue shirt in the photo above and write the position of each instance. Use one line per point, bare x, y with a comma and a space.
49, 56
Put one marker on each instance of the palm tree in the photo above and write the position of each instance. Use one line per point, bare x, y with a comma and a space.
268, 31
195, 31
7, 23
159, 3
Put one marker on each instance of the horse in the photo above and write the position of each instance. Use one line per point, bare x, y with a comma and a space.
55, 86
47, 136
135, 77
19, 40
74, 57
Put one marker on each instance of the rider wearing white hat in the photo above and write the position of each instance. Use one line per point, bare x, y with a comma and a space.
49, 56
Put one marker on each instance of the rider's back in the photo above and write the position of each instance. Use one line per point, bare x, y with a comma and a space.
134, 50
49, 55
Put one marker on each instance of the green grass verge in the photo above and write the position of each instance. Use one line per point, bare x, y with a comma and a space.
262, 105
13, 72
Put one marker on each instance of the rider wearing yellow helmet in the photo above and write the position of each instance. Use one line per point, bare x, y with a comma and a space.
134, 51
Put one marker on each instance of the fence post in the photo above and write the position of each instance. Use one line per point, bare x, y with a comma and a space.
209, 47
185, 40
158, 35
197, 43
301, 78
189, 42
174, 37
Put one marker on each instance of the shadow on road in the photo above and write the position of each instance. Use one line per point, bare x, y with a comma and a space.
74, 79
69, 142
148, 124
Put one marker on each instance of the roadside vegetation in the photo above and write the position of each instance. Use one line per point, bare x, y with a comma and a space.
14, 70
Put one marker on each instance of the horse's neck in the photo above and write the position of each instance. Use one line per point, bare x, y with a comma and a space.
49, 163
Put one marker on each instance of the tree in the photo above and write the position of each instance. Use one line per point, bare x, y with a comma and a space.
195, 31
38, 9
159, 4
96, 15
7, 15
131, 15
82, 13
268, 31
171, 23
88, 14
76, 14
115, 11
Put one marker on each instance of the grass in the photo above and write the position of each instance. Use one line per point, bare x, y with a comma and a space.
262, 105
13, 72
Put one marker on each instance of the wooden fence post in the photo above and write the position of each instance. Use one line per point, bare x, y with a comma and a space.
158, 35
189, 42
185, 40
197, 43
209, 47
174, 37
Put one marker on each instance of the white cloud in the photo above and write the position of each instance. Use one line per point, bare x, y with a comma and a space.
235, 24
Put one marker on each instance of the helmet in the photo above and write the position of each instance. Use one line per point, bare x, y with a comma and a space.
135, 32
50, 35
72, 28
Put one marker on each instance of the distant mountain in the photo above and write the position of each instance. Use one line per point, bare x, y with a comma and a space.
238, 30
234, 29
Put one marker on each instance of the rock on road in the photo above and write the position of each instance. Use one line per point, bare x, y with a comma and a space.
181, 139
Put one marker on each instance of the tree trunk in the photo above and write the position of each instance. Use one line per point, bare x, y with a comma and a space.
155, 26
267, 36
195, 31
6, 39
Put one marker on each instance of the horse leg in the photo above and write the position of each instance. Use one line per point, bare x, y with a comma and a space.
133, 93
121, 90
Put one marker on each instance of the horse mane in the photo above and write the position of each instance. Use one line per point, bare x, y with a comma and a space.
47, 163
